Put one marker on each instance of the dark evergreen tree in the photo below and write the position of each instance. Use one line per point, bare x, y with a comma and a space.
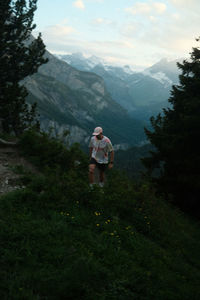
176, 136
20, 56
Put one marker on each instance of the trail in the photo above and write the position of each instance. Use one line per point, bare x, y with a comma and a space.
9, 160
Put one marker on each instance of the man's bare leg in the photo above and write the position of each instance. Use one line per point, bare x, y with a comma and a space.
91, 173
101, 178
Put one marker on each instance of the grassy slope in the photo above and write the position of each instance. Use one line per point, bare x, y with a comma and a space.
60, 240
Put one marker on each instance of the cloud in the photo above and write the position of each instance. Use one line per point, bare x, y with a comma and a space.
55, 34
147, 32
129, 29
96, 1
59, 30
159, 7
102, 21
192, 4
79, 4
169, 30
147, 8
139, 8
99, 21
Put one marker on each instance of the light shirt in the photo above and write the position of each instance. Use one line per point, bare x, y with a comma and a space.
100, 149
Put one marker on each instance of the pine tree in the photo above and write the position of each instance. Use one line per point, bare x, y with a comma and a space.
20, 56
176, 136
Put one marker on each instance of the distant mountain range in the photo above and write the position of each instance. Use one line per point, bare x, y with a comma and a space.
143, 94
79, 101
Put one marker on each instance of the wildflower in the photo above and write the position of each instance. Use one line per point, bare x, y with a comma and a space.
98, 225
108, 221
72, 217
128, 227
97, 213
111, 233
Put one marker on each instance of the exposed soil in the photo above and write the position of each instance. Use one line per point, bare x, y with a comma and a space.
10, 159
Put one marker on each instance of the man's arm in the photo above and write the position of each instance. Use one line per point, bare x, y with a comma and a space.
111, 159
112, 156
90, 148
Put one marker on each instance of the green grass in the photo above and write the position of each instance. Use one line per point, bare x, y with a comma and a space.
60, 240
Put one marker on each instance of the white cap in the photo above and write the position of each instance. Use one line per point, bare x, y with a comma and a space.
97, 131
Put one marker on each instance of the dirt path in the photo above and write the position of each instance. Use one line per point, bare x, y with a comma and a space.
9, 159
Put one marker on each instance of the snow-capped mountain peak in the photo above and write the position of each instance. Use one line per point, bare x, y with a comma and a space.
160, 76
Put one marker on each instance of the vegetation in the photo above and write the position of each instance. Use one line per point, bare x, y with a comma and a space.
62, 240
20, 56
175, 135
130, 160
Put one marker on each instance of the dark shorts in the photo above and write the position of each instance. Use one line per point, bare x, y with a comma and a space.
101, 167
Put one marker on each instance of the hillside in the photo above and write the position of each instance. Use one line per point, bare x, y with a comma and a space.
61, 240
78, 101
143, 93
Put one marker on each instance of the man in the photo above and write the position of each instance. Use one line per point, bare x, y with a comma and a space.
100, 146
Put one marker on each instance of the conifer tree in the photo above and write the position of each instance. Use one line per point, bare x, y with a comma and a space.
176, 136
20, 56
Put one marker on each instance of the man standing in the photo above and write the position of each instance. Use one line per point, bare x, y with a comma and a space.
100, 146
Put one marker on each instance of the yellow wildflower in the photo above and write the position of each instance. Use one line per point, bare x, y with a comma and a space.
97, 213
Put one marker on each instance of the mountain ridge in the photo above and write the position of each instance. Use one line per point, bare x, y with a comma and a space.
135, 91
80, 99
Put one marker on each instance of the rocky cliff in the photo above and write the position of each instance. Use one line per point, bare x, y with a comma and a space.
79, 101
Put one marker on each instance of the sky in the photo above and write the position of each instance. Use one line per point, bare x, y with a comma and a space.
122, 32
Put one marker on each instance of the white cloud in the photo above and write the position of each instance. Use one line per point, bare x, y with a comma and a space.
59, 30
151, 30
166, 29
102, 21
185, 3
96, 1
159, 7
79, 4
189, 7
153, 19
147, 8
98, 21
129, 29
139, 8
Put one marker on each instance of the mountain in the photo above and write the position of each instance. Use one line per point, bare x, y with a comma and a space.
165, 69
79, 61
79, 101
143, 94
